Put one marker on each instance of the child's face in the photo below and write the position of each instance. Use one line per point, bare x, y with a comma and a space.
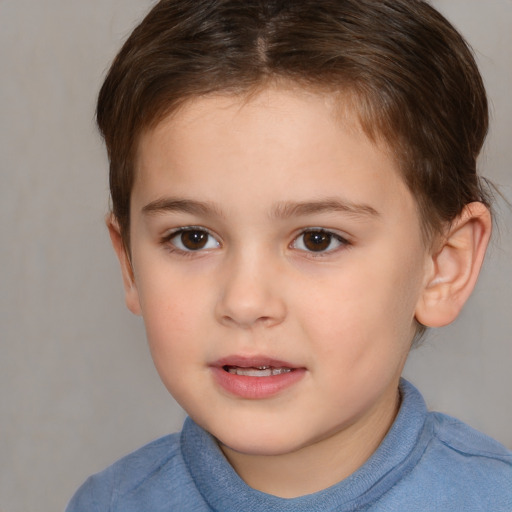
271, 233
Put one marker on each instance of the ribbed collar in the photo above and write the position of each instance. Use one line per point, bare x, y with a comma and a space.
398, 453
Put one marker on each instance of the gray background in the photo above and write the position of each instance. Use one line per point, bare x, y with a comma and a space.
77, 387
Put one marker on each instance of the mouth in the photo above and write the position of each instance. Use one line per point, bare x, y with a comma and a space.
256, 377
259, 371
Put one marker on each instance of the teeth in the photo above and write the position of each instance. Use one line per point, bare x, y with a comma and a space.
260, 371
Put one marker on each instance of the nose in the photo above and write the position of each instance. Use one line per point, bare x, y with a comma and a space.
251, 294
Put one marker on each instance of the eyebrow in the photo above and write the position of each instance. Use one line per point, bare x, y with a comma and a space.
283, 210
291, 209
169, 205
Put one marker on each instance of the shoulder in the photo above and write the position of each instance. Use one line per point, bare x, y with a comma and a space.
451, 467
152, 462
460, 438
461, 465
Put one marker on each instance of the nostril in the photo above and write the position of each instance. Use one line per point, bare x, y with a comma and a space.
249, 318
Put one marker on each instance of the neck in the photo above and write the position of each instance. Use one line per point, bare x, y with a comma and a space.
321, 464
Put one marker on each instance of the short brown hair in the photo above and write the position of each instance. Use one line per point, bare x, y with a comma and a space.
414, 79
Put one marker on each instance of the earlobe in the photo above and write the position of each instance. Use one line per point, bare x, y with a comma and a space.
455, 265
130, 288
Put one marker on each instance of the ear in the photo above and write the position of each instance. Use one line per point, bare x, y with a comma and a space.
130, 288
454, 267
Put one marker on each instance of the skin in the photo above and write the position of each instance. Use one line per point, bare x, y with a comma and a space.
252, 174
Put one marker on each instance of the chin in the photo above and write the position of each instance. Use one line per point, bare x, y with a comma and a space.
261, 448
265, 442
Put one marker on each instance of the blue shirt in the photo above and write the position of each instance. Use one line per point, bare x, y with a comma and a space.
427, 462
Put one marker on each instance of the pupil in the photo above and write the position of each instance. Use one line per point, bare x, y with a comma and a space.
194, 240
317, 240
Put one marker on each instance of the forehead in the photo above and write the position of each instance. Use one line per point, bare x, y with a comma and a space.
277, 144
263, 104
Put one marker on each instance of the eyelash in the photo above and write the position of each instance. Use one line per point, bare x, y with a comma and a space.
167, 240
343, 242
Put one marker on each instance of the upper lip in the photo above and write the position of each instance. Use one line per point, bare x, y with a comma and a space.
252, 362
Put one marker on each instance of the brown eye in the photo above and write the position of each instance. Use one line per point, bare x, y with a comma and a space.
193, 240
318, 240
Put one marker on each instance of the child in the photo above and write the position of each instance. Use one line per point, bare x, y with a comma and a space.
295, 200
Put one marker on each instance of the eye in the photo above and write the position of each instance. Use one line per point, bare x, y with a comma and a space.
318, 240
192, 239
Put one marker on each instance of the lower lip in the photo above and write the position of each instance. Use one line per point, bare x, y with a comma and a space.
256, 387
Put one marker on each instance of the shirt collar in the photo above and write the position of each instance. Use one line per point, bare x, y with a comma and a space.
396, 456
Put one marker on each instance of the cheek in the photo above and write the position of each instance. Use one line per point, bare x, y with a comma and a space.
365, 312
172, 333
170, 310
